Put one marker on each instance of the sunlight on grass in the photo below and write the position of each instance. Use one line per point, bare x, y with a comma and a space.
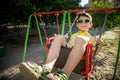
117, 30
110, 45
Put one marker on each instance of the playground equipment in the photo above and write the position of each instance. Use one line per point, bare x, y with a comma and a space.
87, 58
117, 59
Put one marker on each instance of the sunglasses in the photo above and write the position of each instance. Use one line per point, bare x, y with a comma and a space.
83, 21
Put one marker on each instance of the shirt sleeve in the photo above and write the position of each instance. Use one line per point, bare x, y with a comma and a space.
71, 42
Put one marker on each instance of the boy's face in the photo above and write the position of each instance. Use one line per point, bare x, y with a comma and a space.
84, 23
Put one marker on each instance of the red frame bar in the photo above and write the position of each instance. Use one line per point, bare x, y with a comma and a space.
88, 61
106, 10
48, 41
94, 10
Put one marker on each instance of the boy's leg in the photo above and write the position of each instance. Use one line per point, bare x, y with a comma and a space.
72, 61
75, 56
33, 71
30, 70
55, 50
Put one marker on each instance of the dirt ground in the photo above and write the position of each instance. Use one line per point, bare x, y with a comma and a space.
103, 65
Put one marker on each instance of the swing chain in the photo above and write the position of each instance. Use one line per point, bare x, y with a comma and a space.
57, 14
43, 26
72, 24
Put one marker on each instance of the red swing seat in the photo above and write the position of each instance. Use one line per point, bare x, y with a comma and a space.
84, 67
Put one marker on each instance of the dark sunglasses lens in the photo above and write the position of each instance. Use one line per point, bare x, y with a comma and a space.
80, 21
87, 21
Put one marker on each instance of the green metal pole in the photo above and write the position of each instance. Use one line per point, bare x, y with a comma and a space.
63, 23
40, 38
26, 39
69, 22
117, 59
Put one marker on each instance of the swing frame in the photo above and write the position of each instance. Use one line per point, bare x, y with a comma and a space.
106, 10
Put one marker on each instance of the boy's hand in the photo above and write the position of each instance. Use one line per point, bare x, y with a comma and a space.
99, 41
66, 35
55, 35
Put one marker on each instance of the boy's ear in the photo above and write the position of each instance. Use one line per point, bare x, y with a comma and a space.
91, 24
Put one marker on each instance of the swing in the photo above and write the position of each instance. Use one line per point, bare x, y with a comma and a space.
86, 59
85, 66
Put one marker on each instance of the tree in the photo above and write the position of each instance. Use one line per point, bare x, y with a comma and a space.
19, 10
98, 17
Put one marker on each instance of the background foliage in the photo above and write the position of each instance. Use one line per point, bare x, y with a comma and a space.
113, 18
17, 11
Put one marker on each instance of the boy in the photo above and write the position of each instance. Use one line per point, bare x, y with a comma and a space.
78, 44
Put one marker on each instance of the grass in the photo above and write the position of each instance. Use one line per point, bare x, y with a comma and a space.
112, 42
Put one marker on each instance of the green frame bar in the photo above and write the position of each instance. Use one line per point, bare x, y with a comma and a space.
26, 38
63, 23
69, 23
40, 38
117, 59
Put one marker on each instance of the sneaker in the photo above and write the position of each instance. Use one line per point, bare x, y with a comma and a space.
58, 73
32, 71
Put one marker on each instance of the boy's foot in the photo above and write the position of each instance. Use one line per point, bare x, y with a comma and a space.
57, 75
32, 71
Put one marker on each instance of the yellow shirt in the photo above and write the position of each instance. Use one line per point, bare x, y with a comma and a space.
82, 34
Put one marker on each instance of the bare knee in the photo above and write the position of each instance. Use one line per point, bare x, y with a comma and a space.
80, 41
61, 39
59, 36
